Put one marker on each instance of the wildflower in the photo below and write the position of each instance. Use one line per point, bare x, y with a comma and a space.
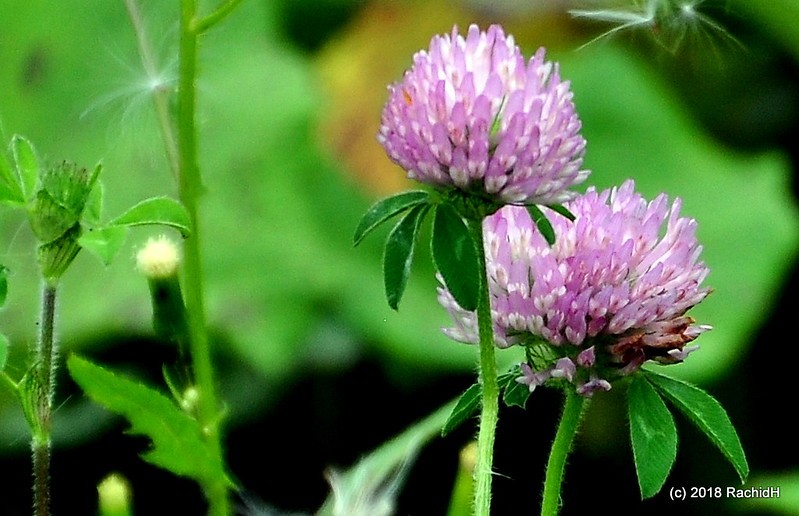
471, 115
610, 294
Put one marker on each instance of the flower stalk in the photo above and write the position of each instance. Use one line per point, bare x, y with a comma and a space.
573, 408
190, 188
488, 383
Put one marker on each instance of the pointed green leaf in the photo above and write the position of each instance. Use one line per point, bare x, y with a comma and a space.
398, 253
455, 256
707, 414
653, 436
562, 210
104, 243
178, 445
385, 209
27, 165
465, 408
3, 285
542, 222
156, 210
515, 394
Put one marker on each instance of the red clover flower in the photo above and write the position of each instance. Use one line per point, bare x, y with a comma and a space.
610, 294
470, 114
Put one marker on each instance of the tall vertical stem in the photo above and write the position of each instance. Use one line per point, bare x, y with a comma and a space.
190, 185
488, 382
573, 408
43, 399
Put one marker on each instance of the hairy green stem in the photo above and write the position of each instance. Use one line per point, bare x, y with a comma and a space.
573, 407
44, 371
488, 383
190, 186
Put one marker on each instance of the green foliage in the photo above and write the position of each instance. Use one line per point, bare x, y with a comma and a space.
3, 352
398, 254
466, 406
387, 208
653, 436
104, 242
162, 211
455, 256
542, 222
515, 394
3, 285
27, 165
177, 439
707, 414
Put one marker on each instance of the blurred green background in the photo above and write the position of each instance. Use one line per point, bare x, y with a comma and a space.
315, 368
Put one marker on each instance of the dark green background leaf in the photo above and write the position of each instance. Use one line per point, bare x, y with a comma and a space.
653, 436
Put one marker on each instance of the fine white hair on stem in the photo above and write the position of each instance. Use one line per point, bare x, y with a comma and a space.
669, 22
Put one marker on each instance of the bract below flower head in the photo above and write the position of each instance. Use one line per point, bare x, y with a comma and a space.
471, 114
611, 293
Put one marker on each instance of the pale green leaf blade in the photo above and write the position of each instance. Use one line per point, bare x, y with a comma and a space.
163, 211
398, 254
177, 443
466, 406
653, 435
707, 414
9, 185
27, 165
384, 209
515, 394
104, 243
455, 256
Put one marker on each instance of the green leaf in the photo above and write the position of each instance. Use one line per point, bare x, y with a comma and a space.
653, 436
104, 243
156, 210
707, 414
398, 253
515, 394
542, 222
27, 165
455, 256
3, 285
9, 185
466, 406
562, 210
93, 211
386, 209
178, 445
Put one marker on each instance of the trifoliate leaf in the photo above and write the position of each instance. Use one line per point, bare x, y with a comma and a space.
707, 414
159, 211
178, 445
455, 256
386, 209
466, 406
653, 436
398, 253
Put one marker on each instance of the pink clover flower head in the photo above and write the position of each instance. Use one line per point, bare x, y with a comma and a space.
610, 294
471, 114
